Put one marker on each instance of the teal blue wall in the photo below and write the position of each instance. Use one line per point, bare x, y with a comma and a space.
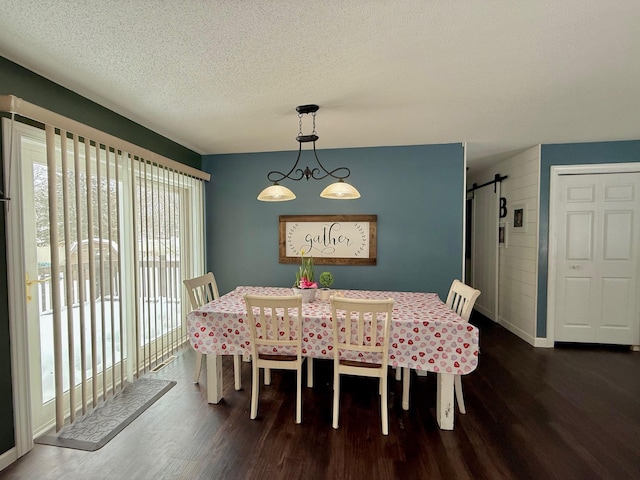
18, 81
416, 191
570, 154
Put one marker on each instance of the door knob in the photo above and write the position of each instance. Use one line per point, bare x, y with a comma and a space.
29, 283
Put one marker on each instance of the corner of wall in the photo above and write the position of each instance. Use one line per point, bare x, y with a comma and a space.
543, 343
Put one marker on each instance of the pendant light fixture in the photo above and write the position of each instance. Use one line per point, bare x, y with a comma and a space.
339, 190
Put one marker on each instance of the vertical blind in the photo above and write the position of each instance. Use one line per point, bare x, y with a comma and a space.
162, 246
123, 232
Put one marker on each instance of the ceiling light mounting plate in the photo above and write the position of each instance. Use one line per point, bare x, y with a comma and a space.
311, 108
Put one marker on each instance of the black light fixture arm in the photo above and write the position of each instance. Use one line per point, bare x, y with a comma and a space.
297, 174
315, 173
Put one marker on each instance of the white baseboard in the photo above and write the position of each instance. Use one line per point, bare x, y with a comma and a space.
543, 342
8, 457
527, 337
484, 311
538, 342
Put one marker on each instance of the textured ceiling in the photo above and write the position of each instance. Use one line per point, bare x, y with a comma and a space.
225, 76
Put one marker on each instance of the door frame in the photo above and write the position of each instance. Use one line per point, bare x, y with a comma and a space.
17, 294
556, 171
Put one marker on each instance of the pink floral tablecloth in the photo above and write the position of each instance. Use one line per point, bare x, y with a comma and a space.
425, 333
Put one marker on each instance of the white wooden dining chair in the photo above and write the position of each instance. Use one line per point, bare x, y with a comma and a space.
275, 323
354, 320
461, 299
203, 290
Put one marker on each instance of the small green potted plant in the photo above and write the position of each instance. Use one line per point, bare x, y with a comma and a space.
326, 280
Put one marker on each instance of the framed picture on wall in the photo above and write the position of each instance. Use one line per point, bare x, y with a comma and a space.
519, 218
329, 239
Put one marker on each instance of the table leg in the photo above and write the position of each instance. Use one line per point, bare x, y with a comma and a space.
310, 372
445, 409
237, 372
406, 378
214, 378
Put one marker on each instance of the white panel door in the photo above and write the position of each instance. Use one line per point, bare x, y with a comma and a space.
484, 254
598, 259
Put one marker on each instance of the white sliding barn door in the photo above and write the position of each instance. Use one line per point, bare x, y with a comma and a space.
484, 254
597, 241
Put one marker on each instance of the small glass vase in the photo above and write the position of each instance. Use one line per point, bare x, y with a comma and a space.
308, 294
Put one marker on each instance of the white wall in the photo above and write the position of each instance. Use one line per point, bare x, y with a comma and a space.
518, 260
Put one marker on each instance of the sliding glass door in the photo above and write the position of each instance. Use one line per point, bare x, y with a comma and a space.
107, 239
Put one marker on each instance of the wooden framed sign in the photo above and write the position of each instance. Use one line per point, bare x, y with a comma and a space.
329, 239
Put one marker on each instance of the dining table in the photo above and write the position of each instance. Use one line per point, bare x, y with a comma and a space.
426, 335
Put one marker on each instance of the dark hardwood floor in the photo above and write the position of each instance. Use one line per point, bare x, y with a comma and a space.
570, 412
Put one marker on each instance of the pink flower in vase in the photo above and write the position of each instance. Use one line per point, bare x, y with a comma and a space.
304, 275
304, 283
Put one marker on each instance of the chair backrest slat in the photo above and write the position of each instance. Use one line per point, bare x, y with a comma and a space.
360, 340
279, 319
462, 298
202, 290
373, 322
